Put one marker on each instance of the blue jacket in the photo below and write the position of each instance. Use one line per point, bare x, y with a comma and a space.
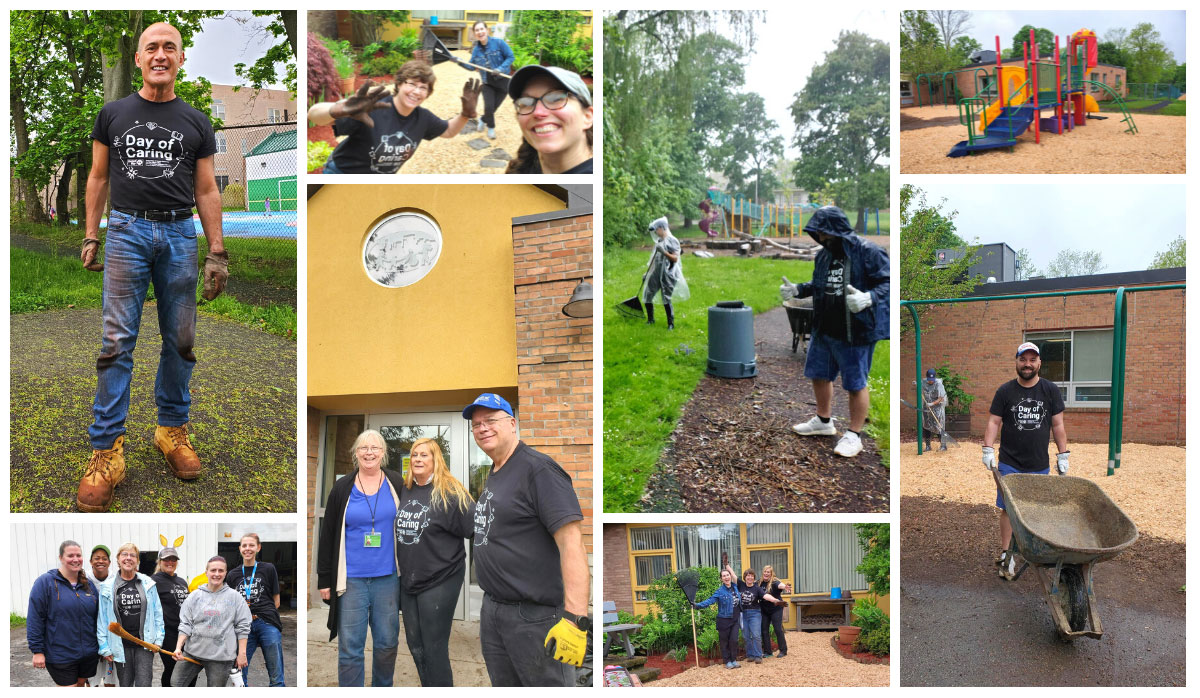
153, 629
728, 602
62, 619
496, 55
869, 271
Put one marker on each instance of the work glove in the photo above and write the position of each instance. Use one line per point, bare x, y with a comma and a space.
360, 105
1062, 462
470, 98
216, 273
786, 292
857, 300
989, 457
87, 255
566, 643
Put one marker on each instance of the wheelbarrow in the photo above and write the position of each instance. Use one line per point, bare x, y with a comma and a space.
1063, 527
800, 317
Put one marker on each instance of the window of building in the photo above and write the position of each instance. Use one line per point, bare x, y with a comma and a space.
508, 15
440, 14
245, 146
274, 116
222, 182
825, 557
654, 538
650, 568
702, 546
483, 17
764, 533
651, 550
401, 249
218, 109
336, 460
770, 544
1079, 362
221, 148
905, 88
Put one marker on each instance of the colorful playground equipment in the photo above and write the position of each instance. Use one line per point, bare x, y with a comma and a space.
760, 220
1023, 92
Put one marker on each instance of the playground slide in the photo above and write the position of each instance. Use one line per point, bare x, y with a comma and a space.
1089, 104
1013, 77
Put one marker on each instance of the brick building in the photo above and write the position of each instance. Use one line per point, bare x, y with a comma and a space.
979, 340
485, 316
250, 117
980, 79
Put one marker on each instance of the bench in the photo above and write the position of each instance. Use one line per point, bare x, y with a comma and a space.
618, 631
801, 601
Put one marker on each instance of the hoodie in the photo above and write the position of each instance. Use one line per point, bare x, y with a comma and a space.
214, 621
152, 615
62, 618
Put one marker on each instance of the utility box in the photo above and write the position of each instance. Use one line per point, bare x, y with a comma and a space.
997, 260
731, 341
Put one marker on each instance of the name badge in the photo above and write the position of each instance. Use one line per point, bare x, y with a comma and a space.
372, 540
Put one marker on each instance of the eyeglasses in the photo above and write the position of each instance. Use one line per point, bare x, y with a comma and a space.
491, 423
551, 100
417, 86
370, 449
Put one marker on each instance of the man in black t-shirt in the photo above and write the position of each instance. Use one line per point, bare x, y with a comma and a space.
258, 583
155, 154
529, 557
1025, 412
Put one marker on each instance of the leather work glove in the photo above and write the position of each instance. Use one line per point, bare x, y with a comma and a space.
566, 643
87, 255
216, 273
360, 105
989, 457
470, 98
857, 300
1062, 462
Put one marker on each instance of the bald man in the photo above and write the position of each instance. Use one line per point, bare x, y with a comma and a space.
154, 154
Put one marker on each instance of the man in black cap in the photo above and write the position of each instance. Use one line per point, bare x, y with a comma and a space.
933, 394
529, 557
846, 322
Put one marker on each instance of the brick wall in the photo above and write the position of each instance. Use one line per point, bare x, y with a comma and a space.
554, 352
617, 583
980, 340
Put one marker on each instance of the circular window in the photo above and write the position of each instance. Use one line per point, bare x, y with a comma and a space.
401, 249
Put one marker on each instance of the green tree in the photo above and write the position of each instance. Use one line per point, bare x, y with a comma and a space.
755, 143
281, 28
843, 123
951, 24
1025, 266
921, 48
1043, 37
925, 229
1148, 55
548, 37
1071, 262
1175, 256
963, 47
1180, 78
876, 566
1111, 53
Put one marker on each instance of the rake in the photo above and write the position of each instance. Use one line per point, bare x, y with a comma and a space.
430, 42
689, 581
947, 439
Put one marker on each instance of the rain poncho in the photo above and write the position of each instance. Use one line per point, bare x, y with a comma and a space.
933, 419
661, 273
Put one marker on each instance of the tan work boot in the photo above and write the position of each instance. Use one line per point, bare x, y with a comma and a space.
175, 445
105, 470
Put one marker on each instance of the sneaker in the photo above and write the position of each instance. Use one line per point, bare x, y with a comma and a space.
728, 665
492, 133
737, 666
105, 470
1008, 568
943, 448
758, 660
849, 445
177, 447
815, 427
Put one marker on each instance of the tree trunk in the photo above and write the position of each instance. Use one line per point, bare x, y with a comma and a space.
27, 191
289, 25
63, 196
323, 22
81, 175
687, 222
860, 222
118, 67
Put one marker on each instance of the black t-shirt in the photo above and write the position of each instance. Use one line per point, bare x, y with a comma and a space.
1025, 416
262, 589
129, 605
430, 539
172, 592
385, 148
829, 315
749, 595
775, 588
152, 151
584, 167
523, 503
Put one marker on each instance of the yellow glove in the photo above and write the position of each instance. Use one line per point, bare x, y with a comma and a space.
566, 643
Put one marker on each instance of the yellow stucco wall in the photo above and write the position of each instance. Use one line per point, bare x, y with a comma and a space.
390, 31
452, 331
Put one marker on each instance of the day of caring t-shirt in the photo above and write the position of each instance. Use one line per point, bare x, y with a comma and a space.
430, 538
262, 584
1025, 415
385, 148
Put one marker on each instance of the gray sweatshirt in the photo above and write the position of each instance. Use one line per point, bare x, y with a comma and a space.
214, 621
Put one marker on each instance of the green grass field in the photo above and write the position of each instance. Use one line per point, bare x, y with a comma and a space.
693, 231
1175, 108
650, 373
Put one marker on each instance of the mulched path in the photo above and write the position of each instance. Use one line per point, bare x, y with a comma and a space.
733, 449
670, 667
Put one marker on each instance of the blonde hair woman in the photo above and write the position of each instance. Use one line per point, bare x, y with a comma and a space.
772, 605
434, 517
131, 599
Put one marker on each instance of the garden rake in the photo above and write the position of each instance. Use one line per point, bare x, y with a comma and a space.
430, 42
632, 307
689, 581
946, 438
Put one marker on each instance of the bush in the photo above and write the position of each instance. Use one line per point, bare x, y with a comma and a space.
877, 642
323, 84
343, 57
868, 615
384, 66
958, 401
318, 153
669, 625
548, 37
234, 196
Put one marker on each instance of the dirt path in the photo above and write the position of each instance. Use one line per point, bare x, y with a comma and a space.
733, 449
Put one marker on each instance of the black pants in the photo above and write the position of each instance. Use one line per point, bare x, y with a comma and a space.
427, 619
513, 638
773, 618
727, 632
493, 97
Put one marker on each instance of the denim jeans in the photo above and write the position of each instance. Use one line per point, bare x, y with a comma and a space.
170, 639
513, 639
330, 168
752, 632
268, 637
427, 619
373, 601
139, 253
216, 673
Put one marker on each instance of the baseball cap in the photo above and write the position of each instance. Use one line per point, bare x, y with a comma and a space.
100, 547
1028, 346
491, 401
930, 374
166, 553
569, 80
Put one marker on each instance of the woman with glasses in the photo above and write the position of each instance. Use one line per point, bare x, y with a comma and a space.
131, 599
383, 130
435, 515
496, 58
356, 563
554, 110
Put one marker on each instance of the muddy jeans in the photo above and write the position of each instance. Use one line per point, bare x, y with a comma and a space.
769, 619
427, 619
513, 638
138, 253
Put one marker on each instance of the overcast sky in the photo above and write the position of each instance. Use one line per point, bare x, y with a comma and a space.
1128, 219
223, 42
985, 26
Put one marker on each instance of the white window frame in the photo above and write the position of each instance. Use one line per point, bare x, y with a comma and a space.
274, 116
1070, 386
218, 109
222, 146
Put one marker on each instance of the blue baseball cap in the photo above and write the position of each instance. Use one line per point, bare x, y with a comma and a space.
930, 374
491, 401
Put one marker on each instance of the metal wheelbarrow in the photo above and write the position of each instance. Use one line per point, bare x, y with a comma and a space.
1063, 527
800, 317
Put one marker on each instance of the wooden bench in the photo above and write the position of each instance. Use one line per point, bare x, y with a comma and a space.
800, 602
618, 631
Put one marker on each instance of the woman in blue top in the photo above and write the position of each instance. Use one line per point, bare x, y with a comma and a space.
728, 613
497, 58
61, 625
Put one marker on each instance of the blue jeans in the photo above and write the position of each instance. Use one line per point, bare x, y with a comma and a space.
139, 253
268, 637
373, 601
330, 168
752, 632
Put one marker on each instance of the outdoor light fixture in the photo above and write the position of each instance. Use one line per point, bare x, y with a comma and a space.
580, 304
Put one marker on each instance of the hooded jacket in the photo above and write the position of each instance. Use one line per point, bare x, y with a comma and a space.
62, 618
869, 271
153, 629
214, 621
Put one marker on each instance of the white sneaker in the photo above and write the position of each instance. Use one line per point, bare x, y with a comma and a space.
849, 445
815, 427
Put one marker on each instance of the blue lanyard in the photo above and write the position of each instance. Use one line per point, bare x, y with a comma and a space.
249, 582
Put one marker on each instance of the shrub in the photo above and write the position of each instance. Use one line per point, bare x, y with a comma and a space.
385, 65
322, 75
868, 615
875, 541
233, 196
958, 401
318, 153
877, 642
669, 625
343, 57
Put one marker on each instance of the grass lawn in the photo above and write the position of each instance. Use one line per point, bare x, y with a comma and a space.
650, 373
15, 621
1175, 109
693, 231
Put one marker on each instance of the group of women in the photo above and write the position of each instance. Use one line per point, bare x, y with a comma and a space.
382, 130
73, 624
393, 544
754, 606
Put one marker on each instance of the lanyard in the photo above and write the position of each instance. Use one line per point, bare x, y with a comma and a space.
372, 505
249, 582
